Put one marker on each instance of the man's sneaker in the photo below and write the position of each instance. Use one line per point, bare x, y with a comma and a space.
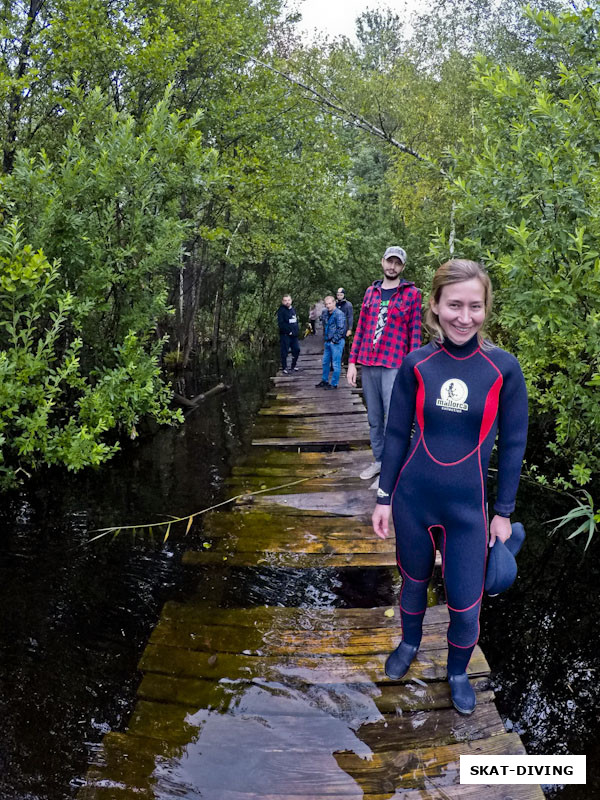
296, 369
285, 371
329, 386
321, 383
461, 691
370, 471
375, 484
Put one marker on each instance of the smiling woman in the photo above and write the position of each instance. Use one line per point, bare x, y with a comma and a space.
461, 310
460, 397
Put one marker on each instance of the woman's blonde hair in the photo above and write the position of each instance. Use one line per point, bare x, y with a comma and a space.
456, 270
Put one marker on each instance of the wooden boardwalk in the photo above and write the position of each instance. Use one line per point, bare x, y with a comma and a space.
285, 702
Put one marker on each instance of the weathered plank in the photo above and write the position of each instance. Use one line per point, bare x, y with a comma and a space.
253, 641
313, 410
389, 698
329, 460
282, 773
324, 422
428, 666
358, 503
241, 484
252, 520
438, 790
294, 618
291, 560
278, 542
308, 441
296, 470
176, 724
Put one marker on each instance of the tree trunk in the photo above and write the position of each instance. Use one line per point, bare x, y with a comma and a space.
15, 100
218, 308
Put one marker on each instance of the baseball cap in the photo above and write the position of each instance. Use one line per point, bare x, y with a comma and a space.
396, 251
342, 290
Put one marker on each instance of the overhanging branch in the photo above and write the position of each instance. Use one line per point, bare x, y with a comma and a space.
344, 113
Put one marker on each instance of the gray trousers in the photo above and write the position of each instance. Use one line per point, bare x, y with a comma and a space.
377, 383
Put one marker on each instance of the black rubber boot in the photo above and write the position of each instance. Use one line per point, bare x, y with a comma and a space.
398, 662
462, 693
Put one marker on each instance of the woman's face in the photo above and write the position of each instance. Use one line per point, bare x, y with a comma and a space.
461, 309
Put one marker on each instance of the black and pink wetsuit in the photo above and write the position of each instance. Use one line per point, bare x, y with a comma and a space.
459, 397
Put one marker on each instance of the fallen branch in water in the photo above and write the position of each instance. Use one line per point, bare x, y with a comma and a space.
184, 401
150, 526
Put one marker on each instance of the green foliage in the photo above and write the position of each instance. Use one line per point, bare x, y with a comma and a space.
41, 378
110, 209
170, 188
583, 510
528, 200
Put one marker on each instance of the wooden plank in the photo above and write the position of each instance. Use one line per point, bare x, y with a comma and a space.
241, 484
278, 458
253, 641
354, 416
309, 441
350, 504
290, 560
290, 426
294, 618
293, 428
280, 542
408, 769
283, 773
390, 698
428, 666
438, 789
178, 725
254, 522
294, 470
313, 410
444, 792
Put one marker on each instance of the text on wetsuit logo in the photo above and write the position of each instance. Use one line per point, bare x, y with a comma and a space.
453, 395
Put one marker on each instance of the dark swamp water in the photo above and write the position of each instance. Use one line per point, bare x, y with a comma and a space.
75, 619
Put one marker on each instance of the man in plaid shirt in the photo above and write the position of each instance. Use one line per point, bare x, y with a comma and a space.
388, 328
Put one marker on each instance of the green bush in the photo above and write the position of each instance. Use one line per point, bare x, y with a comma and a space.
50, 411
528, 201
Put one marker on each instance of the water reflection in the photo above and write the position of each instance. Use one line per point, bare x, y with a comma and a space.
261, 745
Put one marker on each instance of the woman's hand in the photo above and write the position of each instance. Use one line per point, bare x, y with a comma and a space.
381, 520
351, 374
500, 528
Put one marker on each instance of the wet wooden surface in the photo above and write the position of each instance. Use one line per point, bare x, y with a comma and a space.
290, 702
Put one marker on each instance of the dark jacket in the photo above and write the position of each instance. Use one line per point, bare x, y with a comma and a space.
334, 325
346, 307
287, 319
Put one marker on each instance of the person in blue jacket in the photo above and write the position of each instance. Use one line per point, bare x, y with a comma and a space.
334, 333
287, 321
461, 392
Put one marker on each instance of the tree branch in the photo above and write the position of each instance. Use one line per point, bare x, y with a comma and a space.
343, 113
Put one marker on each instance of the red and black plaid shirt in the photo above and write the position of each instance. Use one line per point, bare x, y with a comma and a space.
402, 332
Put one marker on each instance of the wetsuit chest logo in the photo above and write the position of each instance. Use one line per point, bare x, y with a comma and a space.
453, 395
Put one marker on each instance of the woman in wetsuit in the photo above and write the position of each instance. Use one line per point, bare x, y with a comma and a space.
460, 391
